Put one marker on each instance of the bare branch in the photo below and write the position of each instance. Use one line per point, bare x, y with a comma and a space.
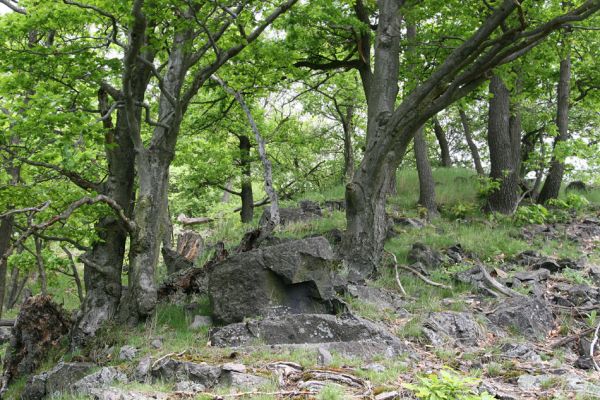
14, 6
27, 210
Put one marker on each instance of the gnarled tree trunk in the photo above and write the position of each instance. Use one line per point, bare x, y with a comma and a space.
551, 187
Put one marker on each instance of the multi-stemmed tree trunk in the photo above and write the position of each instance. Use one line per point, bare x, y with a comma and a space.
551, 187
390, 129
503, 145
426, 180
445, 159
470, 142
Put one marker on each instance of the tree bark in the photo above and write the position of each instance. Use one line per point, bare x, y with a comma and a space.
348, 128
247, 211
103, 263
445, 159
504, 166
366, 194
5, 235
41, 267
551, 187
472, 145
426, 181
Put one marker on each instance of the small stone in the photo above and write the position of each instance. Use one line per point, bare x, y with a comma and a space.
387, 396
374, 367
127, 353
200, 321
235, 367
324, 357
143, 369
188, 386
156, 343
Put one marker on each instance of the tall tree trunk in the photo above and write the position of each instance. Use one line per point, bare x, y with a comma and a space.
472, 145
426, 181
6, 227
504, 165
348, 128
551, 187
247, 211
445, 159
366, 194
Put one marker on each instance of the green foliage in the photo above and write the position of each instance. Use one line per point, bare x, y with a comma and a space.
446, 385
487, 186
532, 214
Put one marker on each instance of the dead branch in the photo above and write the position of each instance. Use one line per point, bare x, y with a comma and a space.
571, 338
423, 277
184, 220
397, 275
497, 285
27, 210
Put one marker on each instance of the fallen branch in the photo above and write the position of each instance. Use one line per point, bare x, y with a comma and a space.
497, 285
572, 338
184, 220
397, 274
424, 278
256, 393
7, 322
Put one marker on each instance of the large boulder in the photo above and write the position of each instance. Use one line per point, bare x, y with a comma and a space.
308, 210
449, 327
425, 255
58, 379
303, 329
170, 370
99, 379
299, 276
529, 317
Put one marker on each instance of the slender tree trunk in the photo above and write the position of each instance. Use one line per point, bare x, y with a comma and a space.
41, 267
6, 226
551, 187
16, 287
247, 211
504, 166
227, 192
348, 128
445, 159
426, 181
472, 145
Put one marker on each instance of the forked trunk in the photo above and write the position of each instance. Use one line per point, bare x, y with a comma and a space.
440, 135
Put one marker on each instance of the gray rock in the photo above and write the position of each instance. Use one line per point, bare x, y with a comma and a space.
532, 382
380, 298
410, 222
200, 321
529, 317
234, 367
156, 343
241, 380
538, 275
170, 370
585, 360
303, 329
188, 386
121, 394
58, 379
127, 353
324, 357
594, 273
549, 264
105, 377
452, 327
308, 210
374, 367
5, 334
421, 253
579, 295
581, 386
143, 369
299, 275
521, 351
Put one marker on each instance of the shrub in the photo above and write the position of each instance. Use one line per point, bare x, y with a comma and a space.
446, 385
532, 214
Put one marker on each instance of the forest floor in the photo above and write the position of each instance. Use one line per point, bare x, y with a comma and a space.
452, 346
